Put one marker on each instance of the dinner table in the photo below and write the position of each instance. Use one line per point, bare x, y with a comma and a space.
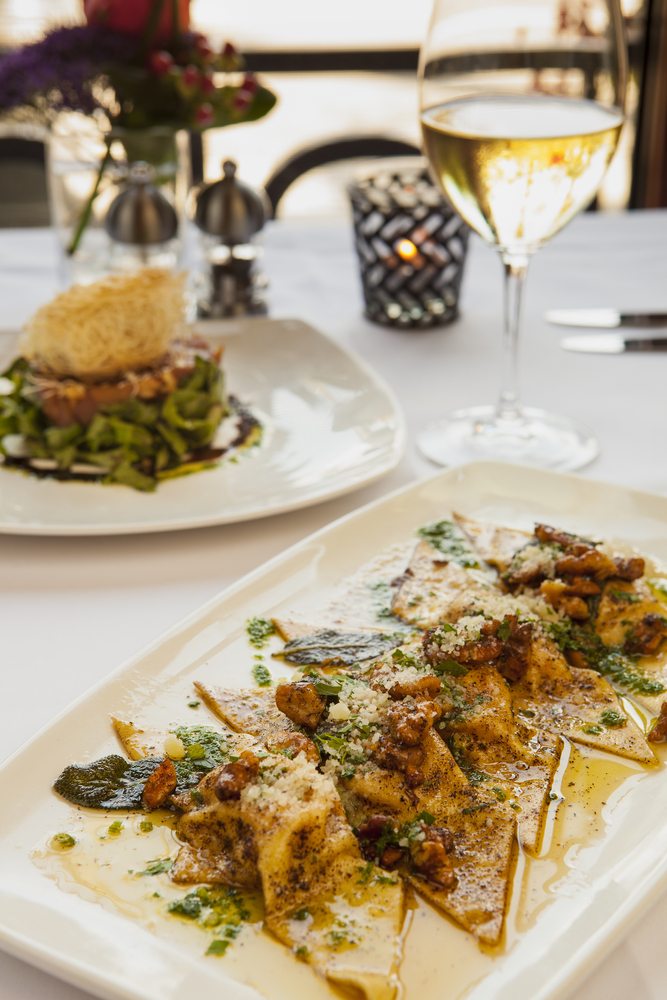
74, 608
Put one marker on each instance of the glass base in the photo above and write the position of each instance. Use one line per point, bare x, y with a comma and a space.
534, 438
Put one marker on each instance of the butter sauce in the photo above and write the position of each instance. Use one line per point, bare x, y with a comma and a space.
588, 789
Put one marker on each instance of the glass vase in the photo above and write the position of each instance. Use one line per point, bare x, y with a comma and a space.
87, 167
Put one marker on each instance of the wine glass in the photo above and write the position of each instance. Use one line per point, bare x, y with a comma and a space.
521, 110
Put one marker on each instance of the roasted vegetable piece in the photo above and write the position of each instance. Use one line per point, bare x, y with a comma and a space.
234, 777
301, 703
646, 635
159, 786
108, 783
292, 744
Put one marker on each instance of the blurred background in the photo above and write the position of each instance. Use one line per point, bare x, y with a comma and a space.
346, 79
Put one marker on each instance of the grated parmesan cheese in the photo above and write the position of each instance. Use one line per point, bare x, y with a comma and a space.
97, 331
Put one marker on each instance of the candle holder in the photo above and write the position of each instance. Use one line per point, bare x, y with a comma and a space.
411, 245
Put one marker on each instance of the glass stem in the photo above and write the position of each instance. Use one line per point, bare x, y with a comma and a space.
516, 266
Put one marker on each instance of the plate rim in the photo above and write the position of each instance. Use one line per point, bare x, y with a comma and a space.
393, 458
559, 986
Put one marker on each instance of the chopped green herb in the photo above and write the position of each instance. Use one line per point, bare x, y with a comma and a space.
365, 873
553, 796
613, 719
217, 947
625, 595
593, 730
527, 712
450, 667
504, 631
500, 794
425, 817
158, 866
516, 806
115, 828
261, 675
302, 953
194, 704
196, 751
145, 826
259, 630
189, 907
301, 914
62, 841
449, 539
457, 749
196, 796
609, 662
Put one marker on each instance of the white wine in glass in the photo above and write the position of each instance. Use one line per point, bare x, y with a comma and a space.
519, 127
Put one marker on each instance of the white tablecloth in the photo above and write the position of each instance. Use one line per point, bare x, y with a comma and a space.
73, 609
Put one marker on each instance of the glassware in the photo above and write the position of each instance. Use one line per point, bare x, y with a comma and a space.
88, 168
522, 106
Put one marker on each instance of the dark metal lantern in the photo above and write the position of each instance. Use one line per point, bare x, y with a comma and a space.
140, 214
230, 209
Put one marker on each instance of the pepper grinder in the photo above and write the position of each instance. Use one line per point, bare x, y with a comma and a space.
142, 224
229, 215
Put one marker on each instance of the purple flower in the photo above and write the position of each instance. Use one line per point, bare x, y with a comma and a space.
60, 70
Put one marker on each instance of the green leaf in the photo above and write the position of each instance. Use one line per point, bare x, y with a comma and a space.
158, 866
333, 648
108, 783
450, 667
504, 631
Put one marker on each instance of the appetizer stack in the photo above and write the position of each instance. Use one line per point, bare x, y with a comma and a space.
111, 385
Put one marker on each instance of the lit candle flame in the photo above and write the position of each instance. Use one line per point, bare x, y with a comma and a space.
406, 249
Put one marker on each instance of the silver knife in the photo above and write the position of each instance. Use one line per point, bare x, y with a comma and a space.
607, 319
612, 343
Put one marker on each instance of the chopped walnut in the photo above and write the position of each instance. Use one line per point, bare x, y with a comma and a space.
409, 722
659, 732
295, 742
421, 687
513, 660
553, 536
160, 784
431, 856
629, 569
234, 777
394, 756
301, 702
584, 560
646, 635
481, 650
556, 593
370, 832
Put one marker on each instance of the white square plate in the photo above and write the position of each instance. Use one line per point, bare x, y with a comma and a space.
610, 878
333, 426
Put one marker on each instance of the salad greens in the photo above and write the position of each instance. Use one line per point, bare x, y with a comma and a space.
135, 442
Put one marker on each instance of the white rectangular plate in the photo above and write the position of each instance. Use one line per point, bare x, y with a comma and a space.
610, 879
333, 426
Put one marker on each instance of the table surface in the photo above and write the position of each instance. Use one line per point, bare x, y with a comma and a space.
74, 608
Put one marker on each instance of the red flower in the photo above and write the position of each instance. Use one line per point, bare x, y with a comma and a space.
131, 16
160, 62
204, 115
